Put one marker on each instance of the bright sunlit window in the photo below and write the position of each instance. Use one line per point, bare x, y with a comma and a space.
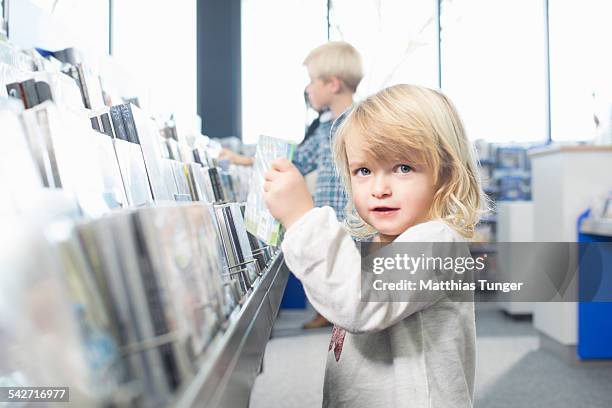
494, 67
580, 66
54, 25
276, 37
155, 41
397, 40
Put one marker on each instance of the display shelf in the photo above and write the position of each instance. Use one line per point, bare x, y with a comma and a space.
601, 227
228, 368
490, 218
487, 162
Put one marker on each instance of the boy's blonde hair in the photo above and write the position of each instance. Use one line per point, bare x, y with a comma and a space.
336, 58
421, 126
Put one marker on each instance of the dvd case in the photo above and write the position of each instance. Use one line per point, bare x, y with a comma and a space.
133, 172
164, 148
19, 175
118, 125
43, 91
259, 248
208, 188
173, 149
15, 90
207, 266
72, 157
143, 130
196, 183
164, 234
205, 237
128, 121
100, 347
231, 246
217, 185
64, 90
103, 258
42, 341
92, 85
241, 177
107, 124
199, 156
114, 190
38, 147
246, 251
25, 91
182, 181
228, 187
230, 290
29, 93
88, 84
168, 176
151, 320
95, 123
259, 221
185, 153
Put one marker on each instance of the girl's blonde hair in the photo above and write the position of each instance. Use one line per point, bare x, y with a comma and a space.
421, 126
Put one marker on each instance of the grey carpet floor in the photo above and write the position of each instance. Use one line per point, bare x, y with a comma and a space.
512, 370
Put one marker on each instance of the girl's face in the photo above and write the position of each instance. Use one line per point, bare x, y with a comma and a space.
390, 196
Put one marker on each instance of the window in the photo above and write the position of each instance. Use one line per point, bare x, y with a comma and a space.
54, 25
155, 42
396, 38
580, 67
493, 56
276, 37
3, 23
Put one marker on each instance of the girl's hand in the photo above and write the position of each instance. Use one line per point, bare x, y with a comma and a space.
286, 193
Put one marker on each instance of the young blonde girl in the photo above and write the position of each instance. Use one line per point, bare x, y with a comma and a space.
411, 176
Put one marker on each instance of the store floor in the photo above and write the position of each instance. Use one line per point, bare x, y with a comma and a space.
512, 370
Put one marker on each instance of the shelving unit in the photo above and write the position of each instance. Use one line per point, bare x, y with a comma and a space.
601, 227
233, 360
156, 282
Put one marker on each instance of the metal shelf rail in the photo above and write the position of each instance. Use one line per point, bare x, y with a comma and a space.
232, 361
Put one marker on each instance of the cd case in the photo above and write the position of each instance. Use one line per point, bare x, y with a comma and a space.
133, 172
18, 173
258, 219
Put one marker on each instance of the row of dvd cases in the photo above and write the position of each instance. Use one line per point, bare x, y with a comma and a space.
122, 307
123, 252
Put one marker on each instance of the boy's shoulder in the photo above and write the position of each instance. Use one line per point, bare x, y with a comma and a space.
430, 231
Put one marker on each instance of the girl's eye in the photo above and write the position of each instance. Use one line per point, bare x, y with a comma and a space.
363, 172
403, 168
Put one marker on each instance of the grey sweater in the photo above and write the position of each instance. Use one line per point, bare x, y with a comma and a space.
394, 354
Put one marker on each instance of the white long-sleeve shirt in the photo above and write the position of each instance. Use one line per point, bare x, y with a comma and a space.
395, 354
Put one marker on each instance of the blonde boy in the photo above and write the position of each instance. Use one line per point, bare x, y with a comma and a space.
335, 71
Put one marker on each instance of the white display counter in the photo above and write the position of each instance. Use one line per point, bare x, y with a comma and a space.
565, 180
